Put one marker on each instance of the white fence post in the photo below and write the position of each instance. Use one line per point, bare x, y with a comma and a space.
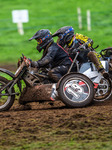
20, 28
79, 18
88, 20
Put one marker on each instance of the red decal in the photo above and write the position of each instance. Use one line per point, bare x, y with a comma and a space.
65, 51
81, 83
51, 98
95, 85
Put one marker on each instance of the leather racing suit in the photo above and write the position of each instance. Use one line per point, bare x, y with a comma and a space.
58, 60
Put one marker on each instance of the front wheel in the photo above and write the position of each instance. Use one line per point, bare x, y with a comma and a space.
76, 90
6, 100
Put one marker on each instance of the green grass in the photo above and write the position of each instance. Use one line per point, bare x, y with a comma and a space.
66, 145
51, 15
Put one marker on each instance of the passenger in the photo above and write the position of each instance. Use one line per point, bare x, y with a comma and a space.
71, 42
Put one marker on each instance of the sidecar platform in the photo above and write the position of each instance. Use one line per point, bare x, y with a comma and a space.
36, 94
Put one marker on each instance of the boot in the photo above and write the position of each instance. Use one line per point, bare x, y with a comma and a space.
104, 73
94, 57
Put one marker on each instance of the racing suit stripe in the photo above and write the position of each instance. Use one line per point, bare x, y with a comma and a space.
65, 52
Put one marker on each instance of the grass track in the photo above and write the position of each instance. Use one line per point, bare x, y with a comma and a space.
52, 15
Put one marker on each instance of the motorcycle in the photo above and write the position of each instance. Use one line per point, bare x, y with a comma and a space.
81, 86
7, 90
102, 86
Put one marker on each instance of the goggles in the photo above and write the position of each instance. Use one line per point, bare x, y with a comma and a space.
39, 41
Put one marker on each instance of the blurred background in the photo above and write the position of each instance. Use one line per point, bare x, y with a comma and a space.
52, 15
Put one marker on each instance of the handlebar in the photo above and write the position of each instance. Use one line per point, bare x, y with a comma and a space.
25, 60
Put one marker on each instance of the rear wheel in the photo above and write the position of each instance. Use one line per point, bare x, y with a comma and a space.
104, 91
76, 90
6, 101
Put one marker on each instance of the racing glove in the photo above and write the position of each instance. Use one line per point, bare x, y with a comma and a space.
35, 64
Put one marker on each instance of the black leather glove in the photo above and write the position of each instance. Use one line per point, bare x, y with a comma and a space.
30, 59
34, 64
83, 46
75, 50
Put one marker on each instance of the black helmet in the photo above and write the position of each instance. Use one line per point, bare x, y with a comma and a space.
43, 38
65, 34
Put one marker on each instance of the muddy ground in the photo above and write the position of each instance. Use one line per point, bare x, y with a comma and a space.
43, 122
55, 123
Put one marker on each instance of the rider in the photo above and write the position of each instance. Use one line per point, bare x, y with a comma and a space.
71, 42
53, 55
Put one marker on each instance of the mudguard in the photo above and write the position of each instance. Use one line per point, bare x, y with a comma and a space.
7, 72
58, 84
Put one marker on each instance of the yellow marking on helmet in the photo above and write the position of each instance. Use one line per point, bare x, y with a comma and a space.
71, 41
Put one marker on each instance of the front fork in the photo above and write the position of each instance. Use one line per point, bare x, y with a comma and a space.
10, 85
16, 79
